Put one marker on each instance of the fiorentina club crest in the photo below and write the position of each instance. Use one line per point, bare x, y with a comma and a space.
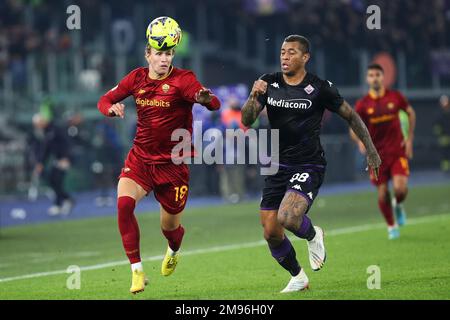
165, 87
309, 89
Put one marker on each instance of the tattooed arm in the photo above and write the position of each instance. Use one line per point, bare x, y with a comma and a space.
252, 107
250, 111
360, 130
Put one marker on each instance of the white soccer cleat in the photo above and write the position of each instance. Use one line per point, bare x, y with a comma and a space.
54, 211
298, 283
67, 207
316, 248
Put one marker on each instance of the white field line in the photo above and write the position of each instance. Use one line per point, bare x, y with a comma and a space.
335, 232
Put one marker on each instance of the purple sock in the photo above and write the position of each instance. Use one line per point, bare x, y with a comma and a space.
306, 230
282, 250
286, 257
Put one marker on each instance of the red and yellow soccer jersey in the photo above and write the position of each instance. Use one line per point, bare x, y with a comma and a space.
381, 116
162, 106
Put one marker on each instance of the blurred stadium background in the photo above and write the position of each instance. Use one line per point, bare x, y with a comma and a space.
44, 67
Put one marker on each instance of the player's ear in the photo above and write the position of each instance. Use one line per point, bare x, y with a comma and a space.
306, 57
147, 54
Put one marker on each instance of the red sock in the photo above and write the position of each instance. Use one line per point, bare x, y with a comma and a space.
129, 228
174, 237
386, 210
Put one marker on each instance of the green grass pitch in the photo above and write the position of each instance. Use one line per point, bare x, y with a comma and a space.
224, 257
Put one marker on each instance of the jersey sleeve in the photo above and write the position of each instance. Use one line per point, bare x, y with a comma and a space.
331, 97
117, 94
190, 86
402, 101
262, 99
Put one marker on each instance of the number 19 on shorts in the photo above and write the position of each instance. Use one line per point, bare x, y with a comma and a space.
180, 192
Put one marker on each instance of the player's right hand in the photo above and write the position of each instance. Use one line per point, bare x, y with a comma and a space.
259, 87
117, 110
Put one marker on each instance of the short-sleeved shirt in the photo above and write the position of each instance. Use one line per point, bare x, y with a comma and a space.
296, 111
162, 106
381, 116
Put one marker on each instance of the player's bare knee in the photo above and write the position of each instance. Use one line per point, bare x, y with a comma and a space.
282, 217
291, 210
286, 217
401, 193
383, 195
290, 217
273, 237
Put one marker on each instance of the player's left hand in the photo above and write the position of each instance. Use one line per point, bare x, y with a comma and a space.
38, 169
204, 96
408, 144
63, 164
374, 163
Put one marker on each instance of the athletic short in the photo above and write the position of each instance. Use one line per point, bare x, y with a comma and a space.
304, 180
170, 182
389, 168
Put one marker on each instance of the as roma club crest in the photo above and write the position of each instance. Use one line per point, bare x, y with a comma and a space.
165, 87
391, 105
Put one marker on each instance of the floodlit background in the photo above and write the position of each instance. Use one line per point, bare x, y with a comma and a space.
44, 67
61, 73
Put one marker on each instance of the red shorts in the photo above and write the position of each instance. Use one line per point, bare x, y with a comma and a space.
169, 181
389, 168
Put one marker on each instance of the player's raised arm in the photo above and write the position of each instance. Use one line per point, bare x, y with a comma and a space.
359, 128
252, 106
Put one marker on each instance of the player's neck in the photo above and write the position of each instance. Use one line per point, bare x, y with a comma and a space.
156, 76
377, 93
296, 78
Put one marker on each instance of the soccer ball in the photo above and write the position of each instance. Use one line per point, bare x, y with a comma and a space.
163, 33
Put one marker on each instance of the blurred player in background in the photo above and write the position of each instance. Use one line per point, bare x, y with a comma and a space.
53, 147
442, 131
232, 176
108, 158
296, 100
379, 110
164, 97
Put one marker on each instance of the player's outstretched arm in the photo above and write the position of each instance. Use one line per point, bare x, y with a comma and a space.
110, 103
110, 106
252, 107
360, 129
412, 125
117, 110
206, 98
358, 142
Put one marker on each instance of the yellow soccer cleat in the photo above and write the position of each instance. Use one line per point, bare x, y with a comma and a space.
138, 282
170, 262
